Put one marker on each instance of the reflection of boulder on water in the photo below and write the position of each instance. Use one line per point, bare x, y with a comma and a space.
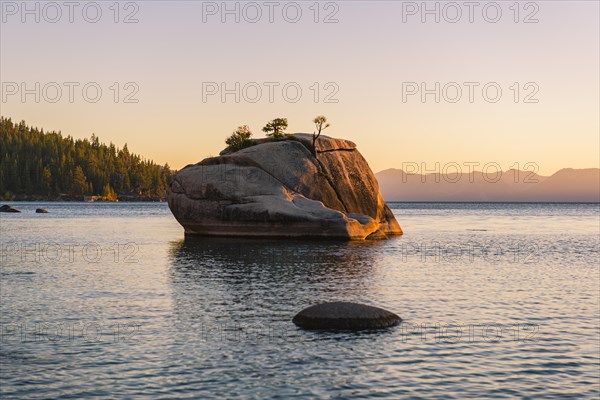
243, 278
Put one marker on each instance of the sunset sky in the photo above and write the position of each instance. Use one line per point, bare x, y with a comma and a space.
367, 61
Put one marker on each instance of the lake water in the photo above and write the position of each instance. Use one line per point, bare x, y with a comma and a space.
110, 301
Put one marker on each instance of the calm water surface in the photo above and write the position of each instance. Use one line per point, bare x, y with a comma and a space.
110, 301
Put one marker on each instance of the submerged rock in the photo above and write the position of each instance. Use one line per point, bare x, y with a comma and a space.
345, 316
279, 189
8, 209
41, 211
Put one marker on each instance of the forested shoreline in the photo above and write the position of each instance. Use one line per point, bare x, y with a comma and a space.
38, 165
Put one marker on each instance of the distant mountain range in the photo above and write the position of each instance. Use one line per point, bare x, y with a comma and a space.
566, 185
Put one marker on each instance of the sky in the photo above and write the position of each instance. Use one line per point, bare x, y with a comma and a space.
506, 82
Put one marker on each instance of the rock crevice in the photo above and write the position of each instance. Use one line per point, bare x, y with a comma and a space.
329, 151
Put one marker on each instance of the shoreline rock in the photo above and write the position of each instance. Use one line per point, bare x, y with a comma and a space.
279, 189
345, 316
9, 209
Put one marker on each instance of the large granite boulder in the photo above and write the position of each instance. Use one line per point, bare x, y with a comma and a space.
279, 189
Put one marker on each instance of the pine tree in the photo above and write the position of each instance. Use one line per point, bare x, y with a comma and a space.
38, 163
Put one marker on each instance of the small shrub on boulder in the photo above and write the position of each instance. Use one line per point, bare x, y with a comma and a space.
240, 139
